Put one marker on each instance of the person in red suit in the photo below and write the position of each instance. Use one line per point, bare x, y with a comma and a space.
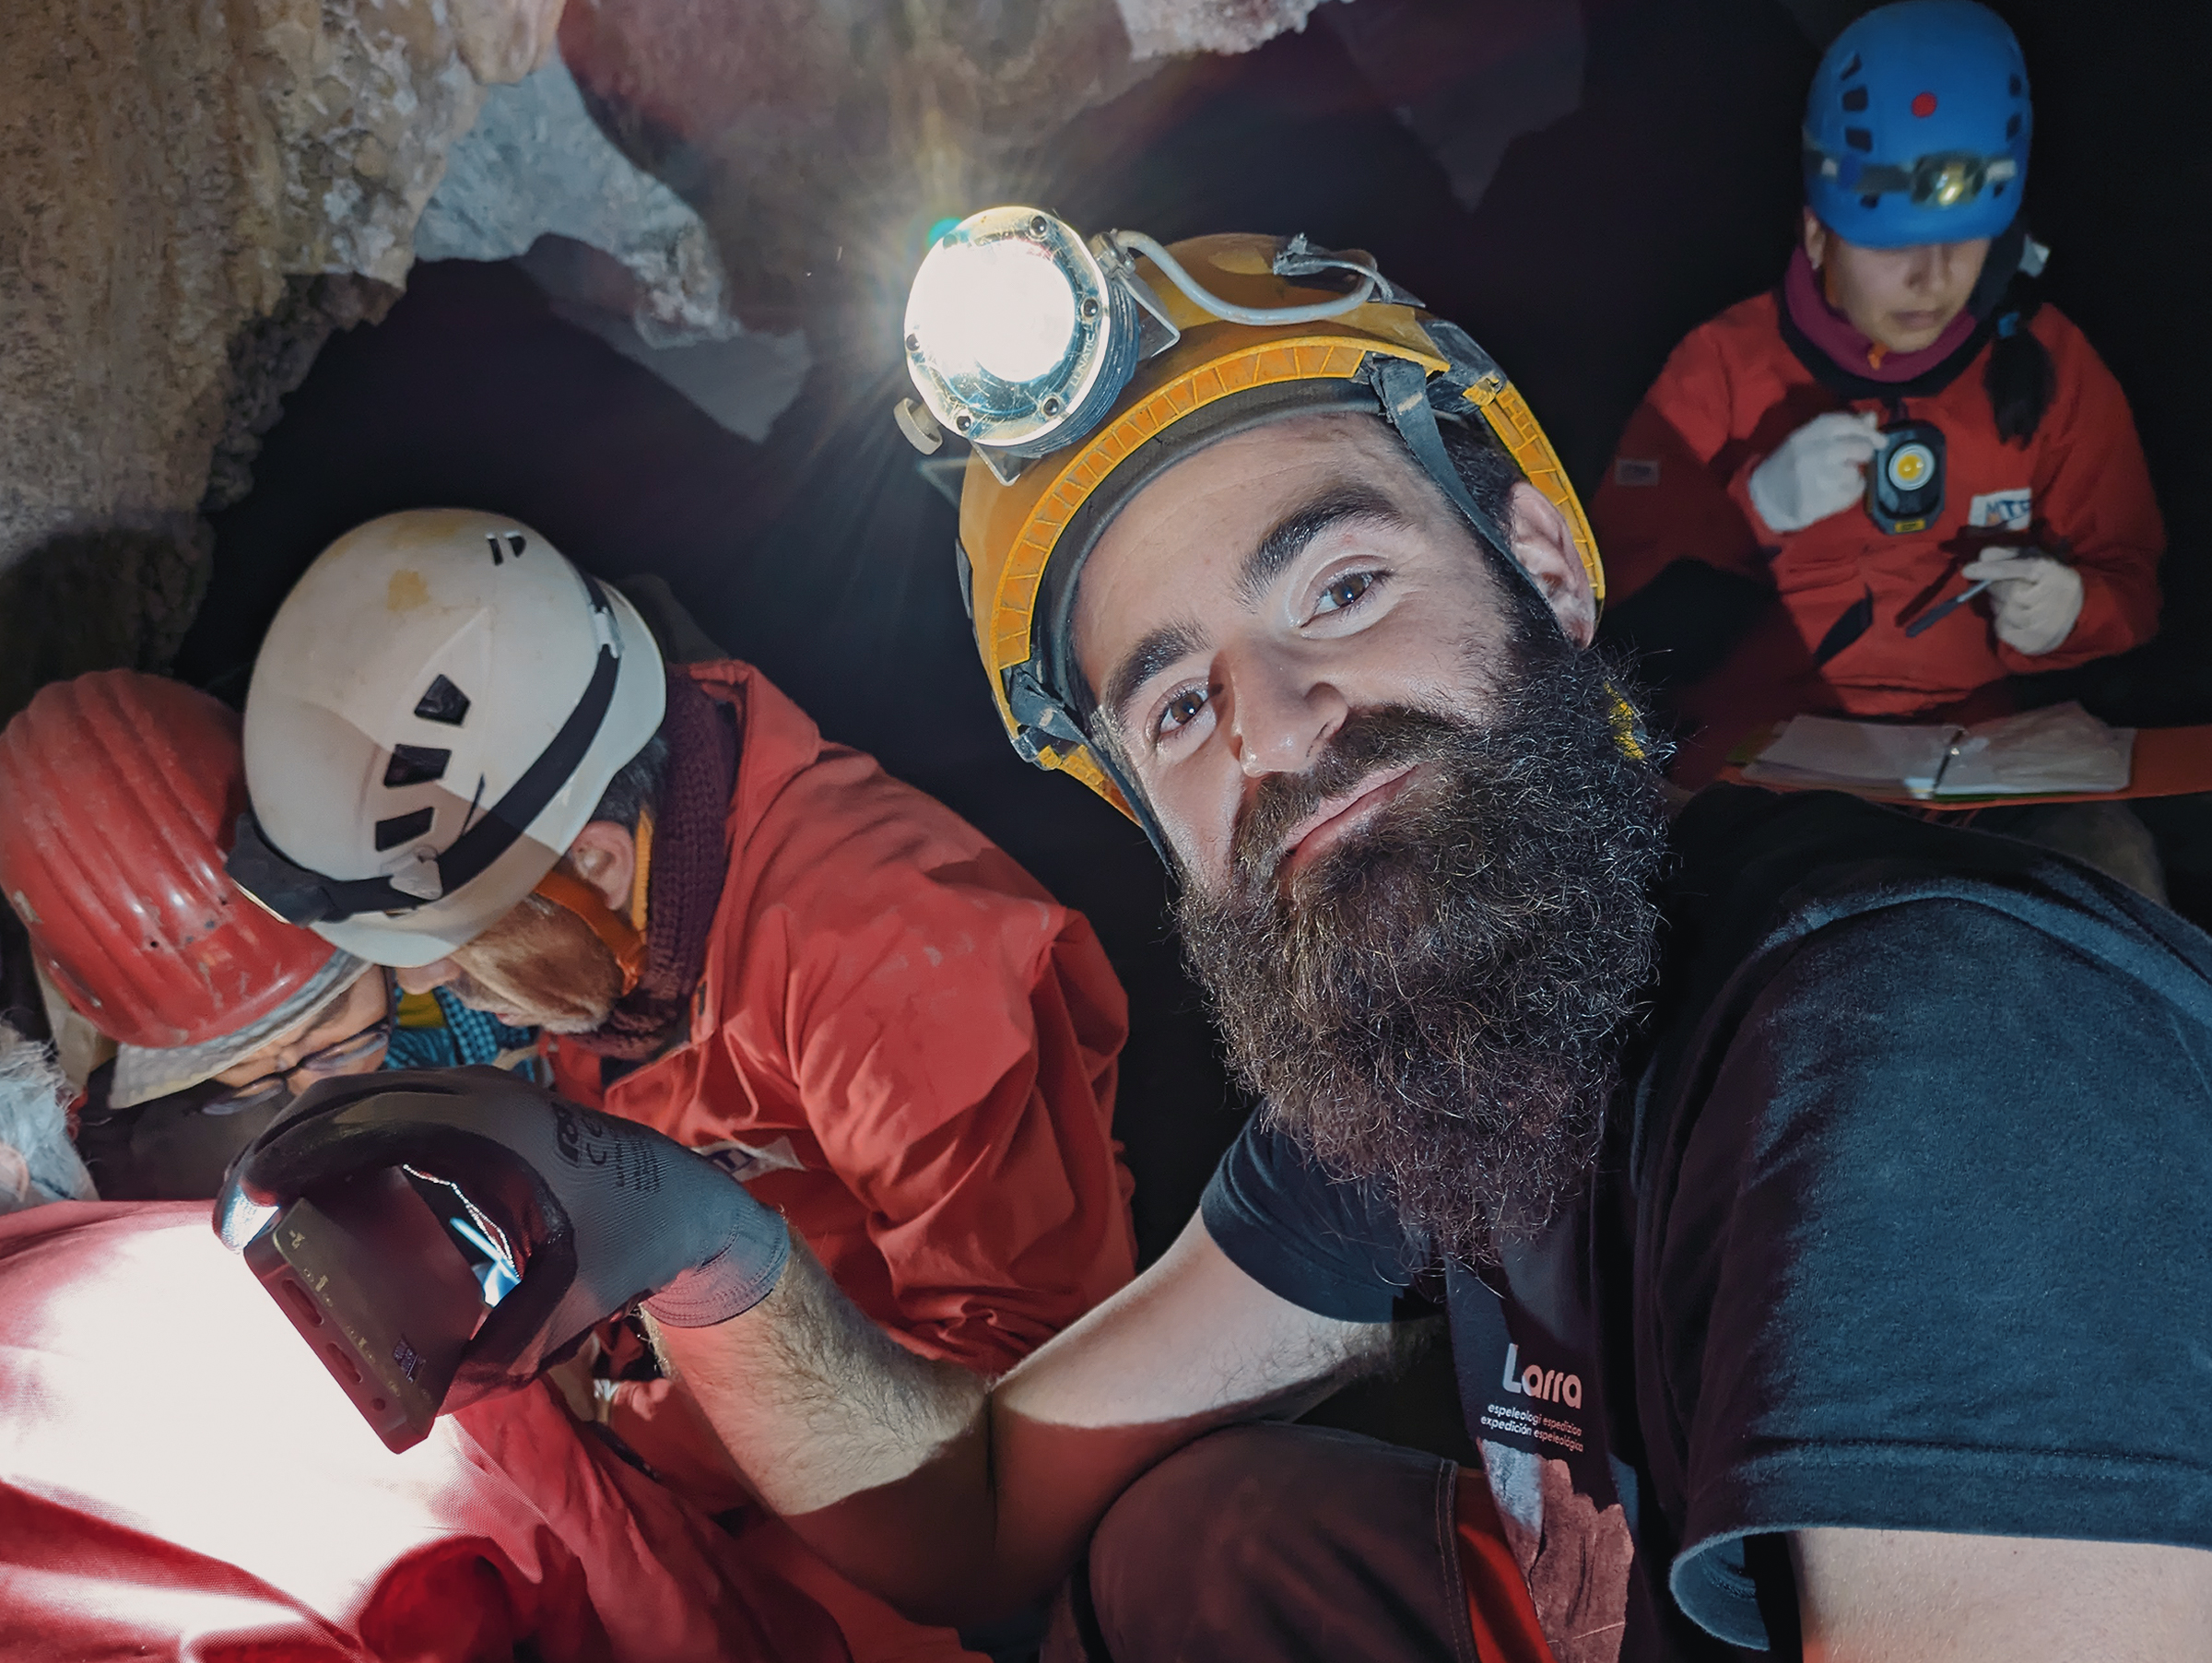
1753, 577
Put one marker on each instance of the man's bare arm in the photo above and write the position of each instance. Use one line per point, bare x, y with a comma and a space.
1916, 1596
956, 1503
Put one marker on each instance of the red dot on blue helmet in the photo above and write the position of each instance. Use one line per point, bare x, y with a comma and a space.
1925, 104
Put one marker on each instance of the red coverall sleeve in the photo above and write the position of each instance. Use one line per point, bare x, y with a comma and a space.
1669, 494
2092, 490
958, 1063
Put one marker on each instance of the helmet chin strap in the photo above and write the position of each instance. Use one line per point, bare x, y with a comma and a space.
622, 939
1403, 386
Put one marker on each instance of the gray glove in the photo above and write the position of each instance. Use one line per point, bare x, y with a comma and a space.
597, 1212
1817, 471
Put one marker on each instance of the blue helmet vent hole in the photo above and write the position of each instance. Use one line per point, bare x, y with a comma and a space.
1858, 138
1854, 100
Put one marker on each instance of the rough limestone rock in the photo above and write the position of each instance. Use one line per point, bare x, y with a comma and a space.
619, 252
1163, 29
536, 165
816, 134
191, 198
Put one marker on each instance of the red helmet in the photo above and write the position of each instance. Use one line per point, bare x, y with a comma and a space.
118, 797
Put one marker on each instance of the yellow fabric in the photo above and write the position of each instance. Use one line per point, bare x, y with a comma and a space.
641, 870
420, 1010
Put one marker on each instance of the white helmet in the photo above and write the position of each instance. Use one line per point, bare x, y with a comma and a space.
438, 707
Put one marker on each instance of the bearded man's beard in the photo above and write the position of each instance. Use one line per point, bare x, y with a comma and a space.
1434, 1007
542, 963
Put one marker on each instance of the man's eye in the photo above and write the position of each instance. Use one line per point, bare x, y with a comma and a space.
1345, 591
1182, 709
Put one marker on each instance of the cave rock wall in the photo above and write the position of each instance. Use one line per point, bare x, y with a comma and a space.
191, 197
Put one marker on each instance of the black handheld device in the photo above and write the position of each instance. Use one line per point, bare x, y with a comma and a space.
366, 1272
1904, 482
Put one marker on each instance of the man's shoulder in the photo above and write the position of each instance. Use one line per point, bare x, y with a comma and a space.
823, 830
794, 785
1742, 849
1746, 334
1763, 878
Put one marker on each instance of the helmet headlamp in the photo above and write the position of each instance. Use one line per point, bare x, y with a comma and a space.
1015, 332
1020, 335
1951, 179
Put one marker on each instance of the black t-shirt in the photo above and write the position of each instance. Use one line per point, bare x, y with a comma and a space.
1905, 1222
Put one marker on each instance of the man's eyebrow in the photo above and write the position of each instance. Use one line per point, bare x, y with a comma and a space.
1162, 647
1334, 507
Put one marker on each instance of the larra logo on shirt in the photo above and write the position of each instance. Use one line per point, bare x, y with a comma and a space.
1547, 1386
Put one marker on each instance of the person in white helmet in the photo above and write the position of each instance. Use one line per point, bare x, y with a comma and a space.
467, 760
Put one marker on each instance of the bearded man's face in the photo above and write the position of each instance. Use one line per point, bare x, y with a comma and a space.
1414, 851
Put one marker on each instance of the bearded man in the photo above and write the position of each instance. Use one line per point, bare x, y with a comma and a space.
1817, 1196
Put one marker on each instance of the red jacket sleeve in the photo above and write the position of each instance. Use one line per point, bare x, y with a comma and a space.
949, 1034
1668, 494
2092, 491
957, 1062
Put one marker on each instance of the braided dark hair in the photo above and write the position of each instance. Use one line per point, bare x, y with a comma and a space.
2019, 377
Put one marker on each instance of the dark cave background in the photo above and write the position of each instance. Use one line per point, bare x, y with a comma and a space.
823, 557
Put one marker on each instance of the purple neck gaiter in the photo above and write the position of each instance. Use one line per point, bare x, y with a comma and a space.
1839, 338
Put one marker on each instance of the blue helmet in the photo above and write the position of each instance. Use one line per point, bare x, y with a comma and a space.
1916, 129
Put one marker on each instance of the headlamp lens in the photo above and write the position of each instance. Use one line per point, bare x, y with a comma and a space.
1004, 307
1942, 181
1013, 338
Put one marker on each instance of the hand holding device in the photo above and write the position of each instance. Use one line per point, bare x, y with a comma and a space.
1817, 471
2034, 599
596, 1212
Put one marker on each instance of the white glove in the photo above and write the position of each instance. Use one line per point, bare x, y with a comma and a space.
1817, 471
2035, 599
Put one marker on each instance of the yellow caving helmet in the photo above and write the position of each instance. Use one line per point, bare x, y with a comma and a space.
1079, 371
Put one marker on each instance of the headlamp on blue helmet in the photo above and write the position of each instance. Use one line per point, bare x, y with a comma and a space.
1917, 127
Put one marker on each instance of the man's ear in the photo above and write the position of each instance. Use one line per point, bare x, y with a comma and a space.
1544, 548
605, 857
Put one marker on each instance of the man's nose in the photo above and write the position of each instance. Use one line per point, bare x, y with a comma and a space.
421, 978
1282, 715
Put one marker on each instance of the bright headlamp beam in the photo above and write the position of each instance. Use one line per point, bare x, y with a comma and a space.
1011, 326
1004, 307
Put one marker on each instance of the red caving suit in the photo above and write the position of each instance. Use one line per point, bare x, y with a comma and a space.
906, 1045
1733, 391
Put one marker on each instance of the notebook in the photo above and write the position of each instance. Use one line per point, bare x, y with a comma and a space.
2058, 750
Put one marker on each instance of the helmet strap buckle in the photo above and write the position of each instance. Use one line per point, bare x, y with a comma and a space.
619, 937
